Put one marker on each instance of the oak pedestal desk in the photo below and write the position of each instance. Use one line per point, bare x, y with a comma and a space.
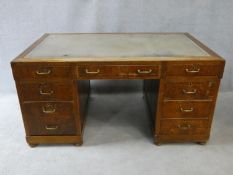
181, 80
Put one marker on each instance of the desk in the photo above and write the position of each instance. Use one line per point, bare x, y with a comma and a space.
181, 80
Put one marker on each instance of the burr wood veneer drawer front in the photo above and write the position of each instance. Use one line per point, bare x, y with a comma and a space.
195, 69
118, 71
184, 127
45, 91
42, 72
186, 109
49, 118
190, 89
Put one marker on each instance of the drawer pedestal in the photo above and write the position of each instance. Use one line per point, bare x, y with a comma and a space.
186, 102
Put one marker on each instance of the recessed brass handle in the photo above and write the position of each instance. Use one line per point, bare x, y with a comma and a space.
186, 110
144, 71
192, 71
51, 127
184, 127
48, 110
194, 91
43, 72
45, 93
92, 72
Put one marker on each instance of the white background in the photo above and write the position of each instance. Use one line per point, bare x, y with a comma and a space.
23, 21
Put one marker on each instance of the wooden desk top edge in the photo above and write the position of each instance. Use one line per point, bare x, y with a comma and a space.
213, 56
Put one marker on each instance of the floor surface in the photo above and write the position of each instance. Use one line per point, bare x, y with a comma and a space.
117, 140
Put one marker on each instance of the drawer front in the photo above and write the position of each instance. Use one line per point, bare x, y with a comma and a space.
144, 71
186, 109
101, 72
37, 128
45, 91
184, 127
190, 89
194, 69
55, 110
42, 72
46, 118
120, 72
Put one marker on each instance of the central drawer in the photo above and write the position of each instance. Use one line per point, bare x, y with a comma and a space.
145, 72
101, 72
118, 71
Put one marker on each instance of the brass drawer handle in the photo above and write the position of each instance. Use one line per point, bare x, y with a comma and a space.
48, 111
186, 110
184, 127
192, 71
92, 72
51, 127
45, 93
144, 71
43, 72
194, 91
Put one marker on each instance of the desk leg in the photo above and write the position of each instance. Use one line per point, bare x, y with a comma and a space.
83, 92
151, 93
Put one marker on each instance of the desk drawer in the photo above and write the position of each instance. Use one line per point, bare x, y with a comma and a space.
45, 91
115, 71
190, 89
58, 110
195, 69
54, 118
144, 71
52, 128
186, 109
42, 72
184, 127
101, 72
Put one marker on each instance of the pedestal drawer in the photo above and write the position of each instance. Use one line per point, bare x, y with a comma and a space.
190, 89
59, 110
184, 127
195, 69
49, 118
45, 91
41, 128
37, 72
186, 109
